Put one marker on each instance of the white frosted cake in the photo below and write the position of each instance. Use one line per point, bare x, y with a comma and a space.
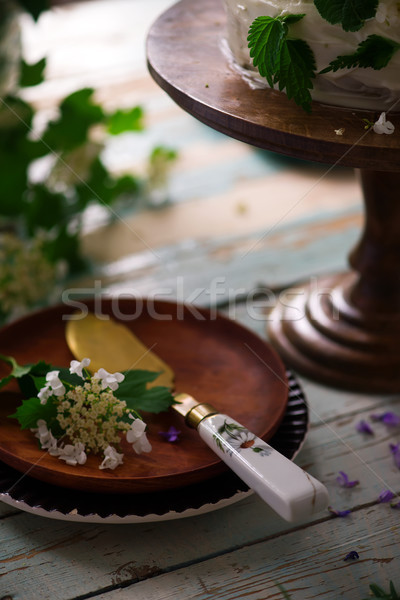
328, 36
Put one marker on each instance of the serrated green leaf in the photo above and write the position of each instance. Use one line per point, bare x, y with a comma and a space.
17, 370
265, 40
375, 52
136, 395
32, 74
126, 120
31, 410
281, 60
351, 14
296, 71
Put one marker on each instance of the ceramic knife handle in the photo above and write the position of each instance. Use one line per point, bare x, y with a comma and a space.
290, 491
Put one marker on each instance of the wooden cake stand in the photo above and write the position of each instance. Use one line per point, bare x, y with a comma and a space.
346, 331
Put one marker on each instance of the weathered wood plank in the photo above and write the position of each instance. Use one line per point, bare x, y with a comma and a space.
88, 558
308, 563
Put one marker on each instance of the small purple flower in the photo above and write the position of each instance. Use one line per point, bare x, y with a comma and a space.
364, 427
339, 513
388, 418
344, 481
353, 555
172, 435
395, 450
386, 496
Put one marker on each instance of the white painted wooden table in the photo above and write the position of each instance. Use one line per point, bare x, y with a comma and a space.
243, 218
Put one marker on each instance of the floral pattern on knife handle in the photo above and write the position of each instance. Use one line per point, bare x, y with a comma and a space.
239, 438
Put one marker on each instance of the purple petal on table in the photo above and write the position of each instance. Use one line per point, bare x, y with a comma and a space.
395, 450
364, 427
172, 435
353, 555
386, 496
339, 513
344, 481
388, 418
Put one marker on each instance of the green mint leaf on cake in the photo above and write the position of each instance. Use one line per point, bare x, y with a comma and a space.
351, 14
374, 52
281, 60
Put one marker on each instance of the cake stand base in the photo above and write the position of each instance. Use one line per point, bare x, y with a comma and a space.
344, 330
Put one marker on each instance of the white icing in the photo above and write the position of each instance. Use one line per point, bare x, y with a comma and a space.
356, 88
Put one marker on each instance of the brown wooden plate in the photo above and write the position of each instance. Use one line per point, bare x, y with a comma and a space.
215, 359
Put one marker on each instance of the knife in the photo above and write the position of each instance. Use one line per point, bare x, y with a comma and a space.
285, 487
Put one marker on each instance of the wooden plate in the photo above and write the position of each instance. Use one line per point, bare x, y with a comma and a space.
215, 359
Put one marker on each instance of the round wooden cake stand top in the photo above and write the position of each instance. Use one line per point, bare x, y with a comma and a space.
345, 331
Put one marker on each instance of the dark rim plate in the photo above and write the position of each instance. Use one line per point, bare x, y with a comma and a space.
43, 499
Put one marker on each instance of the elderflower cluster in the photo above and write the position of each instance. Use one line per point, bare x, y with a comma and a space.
26, 275
91, 416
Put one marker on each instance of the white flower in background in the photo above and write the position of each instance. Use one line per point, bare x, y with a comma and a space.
111, 458
383, 126
55, 383
107, 379
73, 454
77, 367
137, 437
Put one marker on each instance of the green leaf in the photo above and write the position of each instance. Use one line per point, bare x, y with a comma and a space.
351, 14
65, 245
35, 7
125, 120
30, 411
266, 35
44, 209
296, 70
374, 52
282, 60
136, 395
78, 113
32, 74
16, 370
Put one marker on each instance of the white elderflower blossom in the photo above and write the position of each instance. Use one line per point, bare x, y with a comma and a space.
137, 437
53, 387
77, 367
90, 416
107, 379
111, 458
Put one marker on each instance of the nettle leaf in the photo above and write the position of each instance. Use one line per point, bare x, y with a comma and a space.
31, 410
136, 395
287, 62
375, 52
32, 74
126, 120
265, 40
297, 69
351, 14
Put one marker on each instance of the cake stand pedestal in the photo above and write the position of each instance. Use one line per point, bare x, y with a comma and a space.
344, 331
